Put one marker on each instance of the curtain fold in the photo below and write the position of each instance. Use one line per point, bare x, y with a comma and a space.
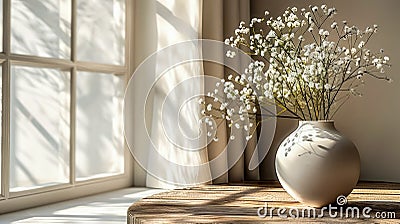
220, 19
163, 96
177, 21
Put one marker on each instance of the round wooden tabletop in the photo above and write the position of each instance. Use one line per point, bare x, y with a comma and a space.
252, 203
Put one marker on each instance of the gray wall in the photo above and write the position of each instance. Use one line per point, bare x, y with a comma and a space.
371, 121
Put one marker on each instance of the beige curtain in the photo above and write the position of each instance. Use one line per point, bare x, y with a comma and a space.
159, 24
220, 19
159, 136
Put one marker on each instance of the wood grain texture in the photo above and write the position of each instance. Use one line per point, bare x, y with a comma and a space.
238, 203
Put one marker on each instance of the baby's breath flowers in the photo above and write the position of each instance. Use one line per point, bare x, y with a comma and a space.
305, 62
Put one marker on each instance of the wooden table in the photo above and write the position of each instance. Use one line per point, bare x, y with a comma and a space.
240, 203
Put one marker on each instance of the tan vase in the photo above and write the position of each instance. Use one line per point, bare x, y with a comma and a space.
315, 164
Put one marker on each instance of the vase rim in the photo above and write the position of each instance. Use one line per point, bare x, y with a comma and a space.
318, 121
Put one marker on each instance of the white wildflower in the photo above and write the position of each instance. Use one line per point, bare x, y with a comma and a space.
227, 42
230, 54
287, 65
327, 86
315, 8
307, 15
361, 44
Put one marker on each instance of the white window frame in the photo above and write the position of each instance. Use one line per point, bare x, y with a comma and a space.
12, 201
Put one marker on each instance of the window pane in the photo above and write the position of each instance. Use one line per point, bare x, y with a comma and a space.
39, 135
101, 31
41, 27
99, 134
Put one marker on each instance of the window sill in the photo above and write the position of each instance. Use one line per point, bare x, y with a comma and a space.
110, 207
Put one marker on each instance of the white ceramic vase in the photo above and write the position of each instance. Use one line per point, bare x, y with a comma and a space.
315, 164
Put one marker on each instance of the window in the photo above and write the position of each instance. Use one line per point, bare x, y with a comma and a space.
64, 67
